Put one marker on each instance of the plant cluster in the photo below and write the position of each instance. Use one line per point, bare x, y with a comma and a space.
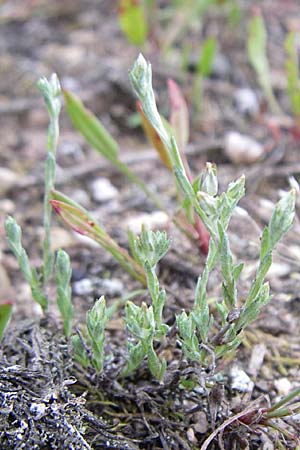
203, 335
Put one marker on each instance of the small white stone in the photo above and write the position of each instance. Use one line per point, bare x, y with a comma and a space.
7, 206
103, 191
246, 101
155, 220
242, 149
112, 286
191, 435
38, 410
283, 386
279, 270
240, 381
89, 242
83, 287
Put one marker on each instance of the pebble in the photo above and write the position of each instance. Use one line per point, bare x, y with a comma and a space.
246, 102
279, 270
283, 386
7, 206
154, 220
242, 149
103, 190
111, 287
190, 434
8, 179
85, 240
240, 381
38, 410
83, 287
201, 425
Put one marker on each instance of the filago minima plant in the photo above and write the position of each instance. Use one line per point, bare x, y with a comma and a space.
202, 335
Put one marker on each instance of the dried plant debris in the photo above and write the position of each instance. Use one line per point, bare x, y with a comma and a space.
38, 410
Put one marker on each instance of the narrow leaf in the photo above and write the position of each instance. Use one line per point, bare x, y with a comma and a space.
154, 138
133, 21
5, 315
208, 51
90, 127
257, 53
292, 46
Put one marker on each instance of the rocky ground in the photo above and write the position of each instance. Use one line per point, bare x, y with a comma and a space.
46, 400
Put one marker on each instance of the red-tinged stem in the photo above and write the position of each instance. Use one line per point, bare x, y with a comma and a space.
203, 234
78, 221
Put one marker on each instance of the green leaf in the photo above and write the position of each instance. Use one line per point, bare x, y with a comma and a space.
292, 46
136, 355
156, 366
150, 247
51, 92
282, 218
96, 320
133, 21
90, 127
14, 238
208, 51
257, 53
63, 274
79, 351
5, 315
141, 80
208, 181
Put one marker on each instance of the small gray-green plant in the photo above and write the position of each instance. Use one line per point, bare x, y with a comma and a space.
144, 322
90, 347
38, 281
204, 336
215, 212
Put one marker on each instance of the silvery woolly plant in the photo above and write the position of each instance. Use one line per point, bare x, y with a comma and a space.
202, 336
145, 323
197, 336
59, 264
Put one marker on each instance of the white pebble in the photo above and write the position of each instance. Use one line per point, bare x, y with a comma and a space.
240, 380
38, 410
112, 286
155, 220
279, 270
83, 287
283, 386
246, 101
242, 149
103, 191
